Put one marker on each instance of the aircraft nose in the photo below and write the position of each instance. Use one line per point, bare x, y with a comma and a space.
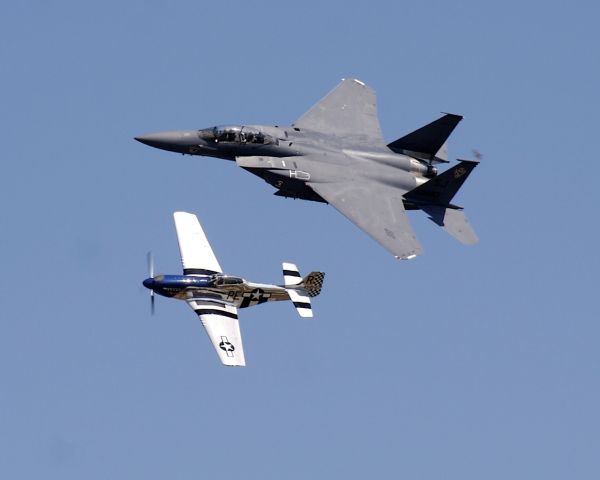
160, 139
149, 283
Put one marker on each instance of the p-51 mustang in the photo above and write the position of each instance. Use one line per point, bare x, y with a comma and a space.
216, 297
335, 153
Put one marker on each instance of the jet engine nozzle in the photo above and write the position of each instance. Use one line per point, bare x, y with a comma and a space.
431, 171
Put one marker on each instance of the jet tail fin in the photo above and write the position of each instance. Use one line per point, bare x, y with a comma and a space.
454, 222
441, 189
428, 142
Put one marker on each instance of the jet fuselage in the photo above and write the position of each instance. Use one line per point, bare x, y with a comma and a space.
291, 144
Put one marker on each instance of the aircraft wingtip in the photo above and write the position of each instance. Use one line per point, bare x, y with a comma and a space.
407, 257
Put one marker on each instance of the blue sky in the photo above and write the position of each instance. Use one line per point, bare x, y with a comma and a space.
464, 363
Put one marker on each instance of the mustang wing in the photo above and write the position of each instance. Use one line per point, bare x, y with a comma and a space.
221, 323
196, 254
377, 209
350, 109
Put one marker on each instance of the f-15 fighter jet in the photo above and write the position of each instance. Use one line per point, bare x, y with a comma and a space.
216, 297
335, 153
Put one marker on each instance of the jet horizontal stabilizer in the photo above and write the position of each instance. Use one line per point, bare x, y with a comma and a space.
454, 222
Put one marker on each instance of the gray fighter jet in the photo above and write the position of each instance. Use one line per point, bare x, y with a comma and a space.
335, 153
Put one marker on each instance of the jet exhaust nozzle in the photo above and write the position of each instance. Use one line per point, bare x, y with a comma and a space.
431, 171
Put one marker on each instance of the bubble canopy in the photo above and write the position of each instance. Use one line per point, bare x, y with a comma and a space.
236, 134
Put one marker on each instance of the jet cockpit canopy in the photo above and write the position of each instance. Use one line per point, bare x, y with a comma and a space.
236, 134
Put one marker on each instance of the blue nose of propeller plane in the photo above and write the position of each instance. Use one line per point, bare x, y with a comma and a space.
149, 283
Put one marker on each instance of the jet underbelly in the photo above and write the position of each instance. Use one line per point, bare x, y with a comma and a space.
289, 183
400, 180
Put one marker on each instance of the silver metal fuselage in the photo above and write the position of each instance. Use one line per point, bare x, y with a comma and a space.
221, 289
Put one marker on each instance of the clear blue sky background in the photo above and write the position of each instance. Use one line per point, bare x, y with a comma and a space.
465, 363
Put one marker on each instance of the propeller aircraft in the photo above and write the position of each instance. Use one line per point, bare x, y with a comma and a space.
216, 297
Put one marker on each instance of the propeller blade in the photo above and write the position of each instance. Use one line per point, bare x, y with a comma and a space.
150, 261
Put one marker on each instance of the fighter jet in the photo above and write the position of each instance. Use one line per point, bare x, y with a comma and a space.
335, 153
216, 297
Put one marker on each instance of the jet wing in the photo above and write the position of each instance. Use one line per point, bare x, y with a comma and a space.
376, 208
222, 325
197, 256
349, 110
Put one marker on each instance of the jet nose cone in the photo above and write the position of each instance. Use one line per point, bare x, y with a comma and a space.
181, 141
159, 139
148, 283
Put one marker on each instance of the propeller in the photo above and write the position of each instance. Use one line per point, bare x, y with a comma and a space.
150, 260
